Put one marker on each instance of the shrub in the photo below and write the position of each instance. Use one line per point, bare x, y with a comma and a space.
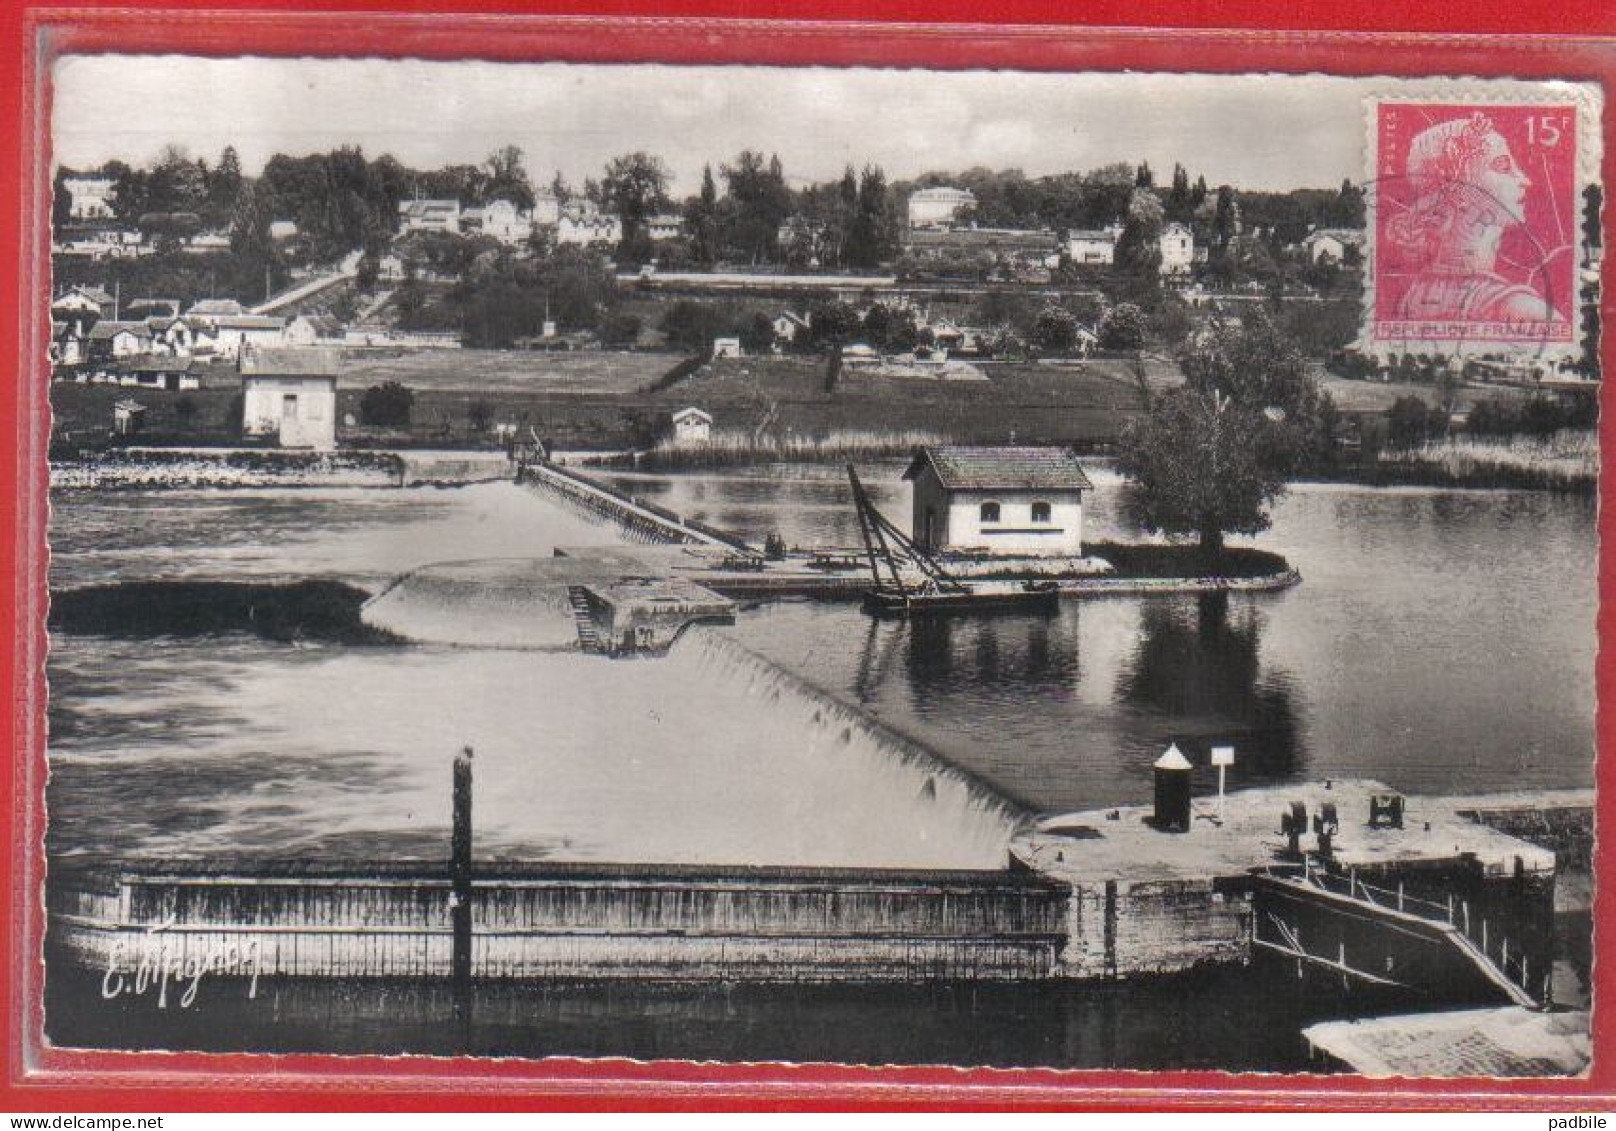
386, 405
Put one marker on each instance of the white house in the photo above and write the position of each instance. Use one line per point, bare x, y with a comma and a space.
938, 207
171, 335
290, 395
546, 208
91, 197
660, 228
314, 330
1094, 246
790, 326
501, 220
727, 347
109, 339
585, 226
428, 216
1331, 242
83, 304
1177, 249
692, 426
1012, 501
282, 230
210, 310
240, 332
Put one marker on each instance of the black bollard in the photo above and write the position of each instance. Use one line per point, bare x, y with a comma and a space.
460, 874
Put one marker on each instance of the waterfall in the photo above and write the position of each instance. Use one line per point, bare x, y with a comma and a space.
492, 603
933, 799
423, 468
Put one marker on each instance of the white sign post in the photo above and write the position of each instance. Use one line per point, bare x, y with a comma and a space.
1222, 758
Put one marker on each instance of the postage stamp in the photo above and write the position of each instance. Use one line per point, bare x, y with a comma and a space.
1476, 227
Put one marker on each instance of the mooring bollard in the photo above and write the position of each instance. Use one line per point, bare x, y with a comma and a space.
460, 872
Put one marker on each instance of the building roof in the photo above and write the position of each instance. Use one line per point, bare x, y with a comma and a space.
1343, 235
289, 363
93, 294
987, 469
942, 192
160, 365
106, 329
1094, 235
214, 306
693, 413
250, 322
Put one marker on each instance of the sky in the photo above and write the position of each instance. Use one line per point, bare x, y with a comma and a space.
1256, 132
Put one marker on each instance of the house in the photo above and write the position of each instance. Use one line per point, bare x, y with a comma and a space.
1093, 246
290, 395
790, 327
235, 333
1332, 243
204, 243
128, 417
149, 308
860, 354
314, 330
1177, 249
428, 216
109, 339
546, 208
282, 230
692, 426
584, 226
938, 207
500, 220
726, 347
210, 310
660, 228
175, 374
171, 335
1012, 501
91, 197
83, 305
67, 343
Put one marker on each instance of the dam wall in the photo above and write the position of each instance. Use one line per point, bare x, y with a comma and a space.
564, 921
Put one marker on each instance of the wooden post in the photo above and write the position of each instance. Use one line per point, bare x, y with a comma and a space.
1450, 908
460, 871
1464, 906
1484, 936
1399, 895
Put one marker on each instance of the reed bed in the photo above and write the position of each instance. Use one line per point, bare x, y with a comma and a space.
734, 448
1563, 461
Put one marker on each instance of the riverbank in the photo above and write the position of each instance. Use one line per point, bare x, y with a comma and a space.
179, 468
1566, 462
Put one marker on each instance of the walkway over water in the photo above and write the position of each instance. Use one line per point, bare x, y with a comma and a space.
641, 520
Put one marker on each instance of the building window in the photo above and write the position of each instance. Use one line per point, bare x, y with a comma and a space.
1040, 512
990, 512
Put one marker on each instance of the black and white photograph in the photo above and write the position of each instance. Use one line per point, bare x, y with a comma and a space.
974, 568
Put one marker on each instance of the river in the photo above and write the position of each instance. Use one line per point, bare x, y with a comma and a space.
1440, 640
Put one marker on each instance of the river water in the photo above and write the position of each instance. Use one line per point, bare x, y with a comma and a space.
1441, 640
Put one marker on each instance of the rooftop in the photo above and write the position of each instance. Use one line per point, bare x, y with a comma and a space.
289, 363
986, 469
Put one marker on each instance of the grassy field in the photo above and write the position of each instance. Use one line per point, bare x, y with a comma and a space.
502, 373
1565, 461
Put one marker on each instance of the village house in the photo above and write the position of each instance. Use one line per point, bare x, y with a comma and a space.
170, 335
938, 207
282, 230
290, 395
659, 228
727, 347
1093, 246
314, 330
428, 216
692, 426
233, 334
67, 343
1332, 243
210, 310
1177, 249
1007, 501
83, 305
176, 374
500, 220
109, 339
546, 208
91, 197
582, 226
790, 327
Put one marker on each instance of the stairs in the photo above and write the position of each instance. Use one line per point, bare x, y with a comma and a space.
583, 614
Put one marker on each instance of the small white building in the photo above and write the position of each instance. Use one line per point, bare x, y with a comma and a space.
790, 327
1332, 243
938, 207
428, 216
1093, 246
108, 339
1010, 501
727, 347
500, 220
314, 330
583, 227
91, 197
1177, 249
291, 395
237, 333
692, 426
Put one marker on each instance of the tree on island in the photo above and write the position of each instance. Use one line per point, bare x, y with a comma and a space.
1210, 457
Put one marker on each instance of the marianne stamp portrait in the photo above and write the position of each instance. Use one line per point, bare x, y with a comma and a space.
1081, 570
